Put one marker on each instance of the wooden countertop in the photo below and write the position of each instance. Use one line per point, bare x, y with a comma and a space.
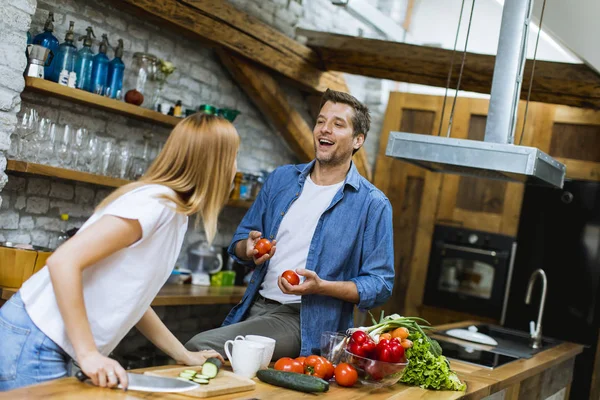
481, 382
177, 295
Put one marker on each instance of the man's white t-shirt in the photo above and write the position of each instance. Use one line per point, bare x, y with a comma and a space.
294, 236
118, 289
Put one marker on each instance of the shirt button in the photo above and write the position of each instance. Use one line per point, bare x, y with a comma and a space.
271, 237
282, 213
297, 194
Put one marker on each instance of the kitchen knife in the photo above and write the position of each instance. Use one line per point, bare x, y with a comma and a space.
146, 383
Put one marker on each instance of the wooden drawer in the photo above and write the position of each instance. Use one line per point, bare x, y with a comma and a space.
17, 265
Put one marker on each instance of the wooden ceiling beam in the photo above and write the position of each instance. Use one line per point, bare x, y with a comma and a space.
559, 83
270, 99
220, 23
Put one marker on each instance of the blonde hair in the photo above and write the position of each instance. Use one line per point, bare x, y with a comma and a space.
197, 163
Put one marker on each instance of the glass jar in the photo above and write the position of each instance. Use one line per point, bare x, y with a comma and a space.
144, 68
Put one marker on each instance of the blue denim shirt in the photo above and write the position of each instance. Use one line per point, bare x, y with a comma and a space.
352, 242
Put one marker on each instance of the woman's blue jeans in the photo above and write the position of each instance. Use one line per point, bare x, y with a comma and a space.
27, 355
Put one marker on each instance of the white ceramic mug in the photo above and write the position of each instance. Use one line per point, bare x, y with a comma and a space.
245, 356
269, 344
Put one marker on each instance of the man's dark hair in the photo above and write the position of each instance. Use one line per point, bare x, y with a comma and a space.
361, 121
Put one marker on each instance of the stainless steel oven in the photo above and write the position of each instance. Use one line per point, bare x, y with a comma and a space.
469, 271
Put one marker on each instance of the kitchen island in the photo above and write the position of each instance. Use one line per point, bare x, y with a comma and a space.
546, 374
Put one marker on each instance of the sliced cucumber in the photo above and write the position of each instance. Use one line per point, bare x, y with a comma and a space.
188, 371
199, 376
183, 379
201, 381
211, 367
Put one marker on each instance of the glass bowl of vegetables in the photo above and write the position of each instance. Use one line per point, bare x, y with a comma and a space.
375, 373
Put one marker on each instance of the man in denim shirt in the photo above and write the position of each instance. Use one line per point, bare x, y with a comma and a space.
333, 227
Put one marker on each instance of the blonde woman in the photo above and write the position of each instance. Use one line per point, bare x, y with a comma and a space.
100, 283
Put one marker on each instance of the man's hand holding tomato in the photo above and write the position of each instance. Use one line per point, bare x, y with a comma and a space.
312, 284
245, 249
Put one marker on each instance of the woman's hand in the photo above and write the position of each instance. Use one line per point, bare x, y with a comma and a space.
103, 371
199, 357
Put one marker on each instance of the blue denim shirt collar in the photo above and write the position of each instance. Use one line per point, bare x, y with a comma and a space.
352, 177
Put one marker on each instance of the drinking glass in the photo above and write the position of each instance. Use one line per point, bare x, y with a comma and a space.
107, 147
62, 146
123, 159
46, 148
91, 156
79, 146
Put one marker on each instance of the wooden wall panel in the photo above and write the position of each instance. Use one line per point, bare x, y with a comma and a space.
580, 142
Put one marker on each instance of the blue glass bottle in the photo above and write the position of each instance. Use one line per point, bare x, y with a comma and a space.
29, 39
84, 62
116, 69
49, 41
65, 57
100, 68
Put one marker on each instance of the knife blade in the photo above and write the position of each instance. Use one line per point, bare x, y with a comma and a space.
147, 383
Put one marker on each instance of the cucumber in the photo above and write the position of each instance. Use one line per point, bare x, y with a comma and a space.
183, 379
292, 380
201, 381
199, 376
211, 367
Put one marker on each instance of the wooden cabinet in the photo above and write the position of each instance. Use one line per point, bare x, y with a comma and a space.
420, 198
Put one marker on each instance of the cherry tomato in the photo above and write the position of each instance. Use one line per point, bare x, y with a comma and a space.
386, 336
291, 277
289, 365
345, 375
263, 246
330, 370
401, 333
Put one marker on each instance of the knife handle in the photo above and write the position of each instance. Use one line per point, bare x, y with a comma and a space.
81, 376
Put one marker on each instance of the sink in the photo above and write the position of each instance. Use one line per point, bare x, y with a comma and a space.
512, 342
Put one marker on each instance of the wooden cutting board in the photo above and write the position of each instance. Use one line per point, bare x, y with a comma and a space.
224, 383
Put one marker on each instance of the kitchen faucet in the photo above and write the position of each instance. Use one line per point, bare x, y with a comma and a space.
536, 329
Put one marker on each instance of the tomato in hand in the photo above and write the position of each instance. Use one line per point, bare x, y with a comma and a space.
263, 246
345, 375
292, 278
289, 365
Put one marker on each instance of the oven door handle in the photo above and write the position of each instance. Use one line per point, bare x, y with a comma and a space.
470, 250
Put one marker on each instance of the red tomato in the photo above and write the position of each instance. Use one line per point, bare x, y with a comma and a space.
263, 246
300, 359
289, 365
291, 277
345, 375
330, 371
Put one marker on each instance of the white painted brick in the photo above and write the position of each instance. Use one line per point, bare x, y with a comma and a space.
20, 203
138, 32
4, 201
14, 18
18, 237
12, 78
26, 223
74, 210
202, 74
12, 55
61, 191
84, 195
116, 23
4, 143
9, 220
53, 224
40, 238
95, 15
9, 99
37, 205
38, 186
28, 6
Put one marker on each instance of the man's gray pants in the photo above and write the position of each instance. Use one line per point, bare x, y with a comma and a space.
265, 318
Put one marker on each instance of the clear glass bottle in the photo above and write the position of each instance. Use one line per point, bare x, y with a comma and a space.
85, 61
145, 67
66, 54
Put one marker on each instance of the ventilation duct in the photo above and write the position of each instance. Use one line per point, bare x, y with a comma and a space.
495, 157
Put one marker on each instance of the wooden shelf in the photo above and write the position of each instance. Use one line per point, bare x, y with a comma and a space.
29, 168
179, 295
38, 85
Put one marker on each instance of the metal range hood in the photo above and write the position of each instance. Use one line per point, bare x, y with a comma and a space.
496, 157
